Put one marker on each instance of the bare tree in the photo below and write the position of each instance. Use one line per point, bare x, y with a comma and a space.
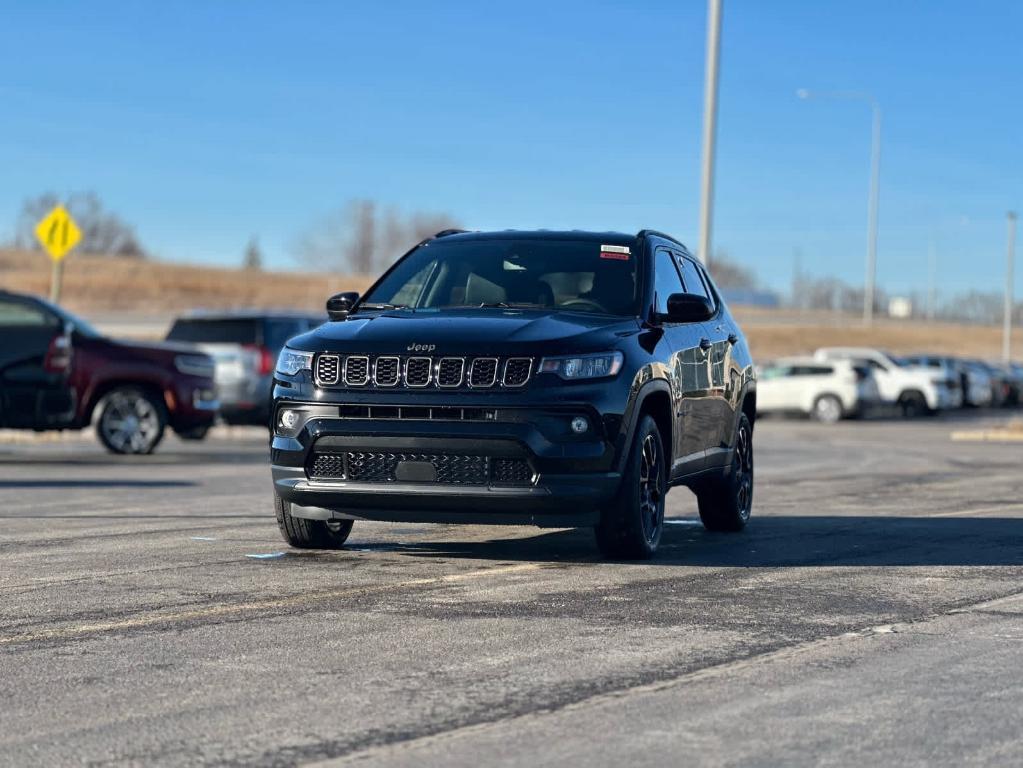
102, 231
360, 239
253, 257
731, 275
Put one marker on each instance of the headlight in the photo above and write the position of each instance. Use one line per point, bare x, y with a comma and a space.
194, 365
291, 361
575, 367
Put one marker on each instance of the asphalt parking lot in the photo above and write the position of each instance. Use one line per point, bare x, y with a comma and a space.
872, 612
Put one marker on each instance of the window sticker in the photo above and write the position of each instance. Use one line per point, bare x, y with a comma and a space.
615, 252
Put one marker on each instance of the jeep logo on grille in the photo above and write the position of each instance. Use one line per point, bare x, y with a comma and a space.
421, 347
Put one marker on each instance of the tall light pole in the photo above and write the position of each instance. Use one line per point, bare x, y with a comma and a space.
873, 194
710, 120
1007, 317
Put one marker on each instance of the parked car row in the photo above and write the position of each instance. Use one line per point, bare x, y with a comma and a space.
845, 382
57, 372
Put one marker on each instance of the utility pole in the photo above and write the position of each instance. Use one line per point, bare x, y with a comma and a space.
710, 119
875, 177
1007, 319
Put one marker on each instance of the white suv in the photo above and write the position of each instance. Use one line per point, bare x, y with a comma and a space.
915, 389
826, 390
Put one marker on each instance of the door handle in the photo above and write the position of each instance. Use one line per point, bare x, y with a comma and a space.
732, 338
705, 344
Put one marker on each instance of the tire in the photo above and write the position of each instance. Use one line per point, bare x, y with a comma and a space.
310, 534
131, 421
195, 433
827, 409
726, 503
630, 526
913, 405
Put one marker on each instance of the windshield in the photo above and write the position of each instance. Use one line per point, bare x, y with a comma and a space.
577, 276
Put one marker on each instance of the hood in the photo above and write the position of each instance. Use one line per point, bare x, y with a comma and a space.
470, 331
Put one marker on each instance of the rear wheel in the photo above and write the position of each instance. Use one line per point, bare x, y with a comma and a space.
310, 534
913, 404
630, 527
827, 409
725, 504
131, 420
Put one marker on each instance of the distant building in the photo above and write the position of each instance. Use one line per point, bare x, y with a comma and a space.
900, 307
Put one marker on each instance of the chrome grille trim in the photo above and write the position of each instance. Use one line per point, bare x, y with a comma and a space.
440, 371
360, 381
325, 363
429, 372
507, 364
472, 373
377, 381
336, 370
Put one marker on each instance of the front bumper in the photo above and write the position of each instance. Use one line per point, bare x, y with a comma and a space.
572, 476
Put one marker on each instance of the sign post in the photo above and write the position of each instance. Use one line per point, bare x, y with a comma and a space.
58, 234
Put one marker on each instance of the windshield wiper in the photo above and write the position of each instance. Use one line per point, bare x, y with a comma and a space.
382, 306
507, 305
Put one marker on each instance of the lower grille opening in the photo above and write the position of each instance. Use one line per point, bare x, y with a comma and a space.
447, 468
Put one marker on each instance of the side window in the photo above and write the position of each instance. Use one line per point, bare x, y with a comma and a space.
775, 372
693, 279
666, 280
17, 314
812, 370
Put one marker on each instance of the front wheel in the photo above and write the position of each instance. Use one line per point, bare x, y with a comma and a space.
827, 409
725, 504
131, 421
310, 534
630, 527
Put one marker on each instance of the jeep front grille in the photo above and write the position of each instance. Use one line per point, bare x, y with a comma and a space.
420, 372
449, 371
483, 372
516, 371
328, 369
448, 468
386, 371
356, 370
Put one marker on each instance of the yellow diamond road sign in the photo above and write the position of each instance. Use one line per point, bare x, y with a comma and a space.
58, 233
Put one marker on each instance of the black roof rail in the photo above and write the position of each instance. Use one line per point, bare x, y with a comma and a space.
655, 233
446, 232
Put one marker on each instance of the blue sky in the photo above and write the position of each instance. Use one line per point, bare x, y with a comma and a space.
206, 122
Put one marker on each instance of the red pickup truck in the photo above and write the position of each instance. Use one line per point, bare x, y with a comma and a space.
57, 372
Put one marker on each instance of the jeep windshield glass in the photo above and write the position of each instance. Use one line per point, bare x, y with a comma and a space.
566, 275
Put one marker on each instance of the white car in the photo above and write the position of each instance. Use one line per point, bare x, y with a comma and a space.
915, 389
826, 390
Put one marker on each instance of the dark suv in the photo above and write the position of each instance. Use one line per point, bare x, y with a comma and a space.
56, 372
560, 379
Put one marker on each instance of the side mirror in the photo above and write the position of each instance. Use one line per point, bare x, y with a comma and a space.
340, 304
688, 308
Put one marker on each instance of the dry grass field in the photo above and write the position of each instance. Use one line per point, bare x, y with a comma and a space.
105, 285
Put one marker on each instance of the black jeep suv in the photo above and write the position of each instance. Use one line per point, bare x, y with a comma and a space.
560, 379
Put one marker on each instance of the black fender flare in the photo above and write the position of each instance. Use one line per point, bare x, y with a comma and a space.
630, 420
